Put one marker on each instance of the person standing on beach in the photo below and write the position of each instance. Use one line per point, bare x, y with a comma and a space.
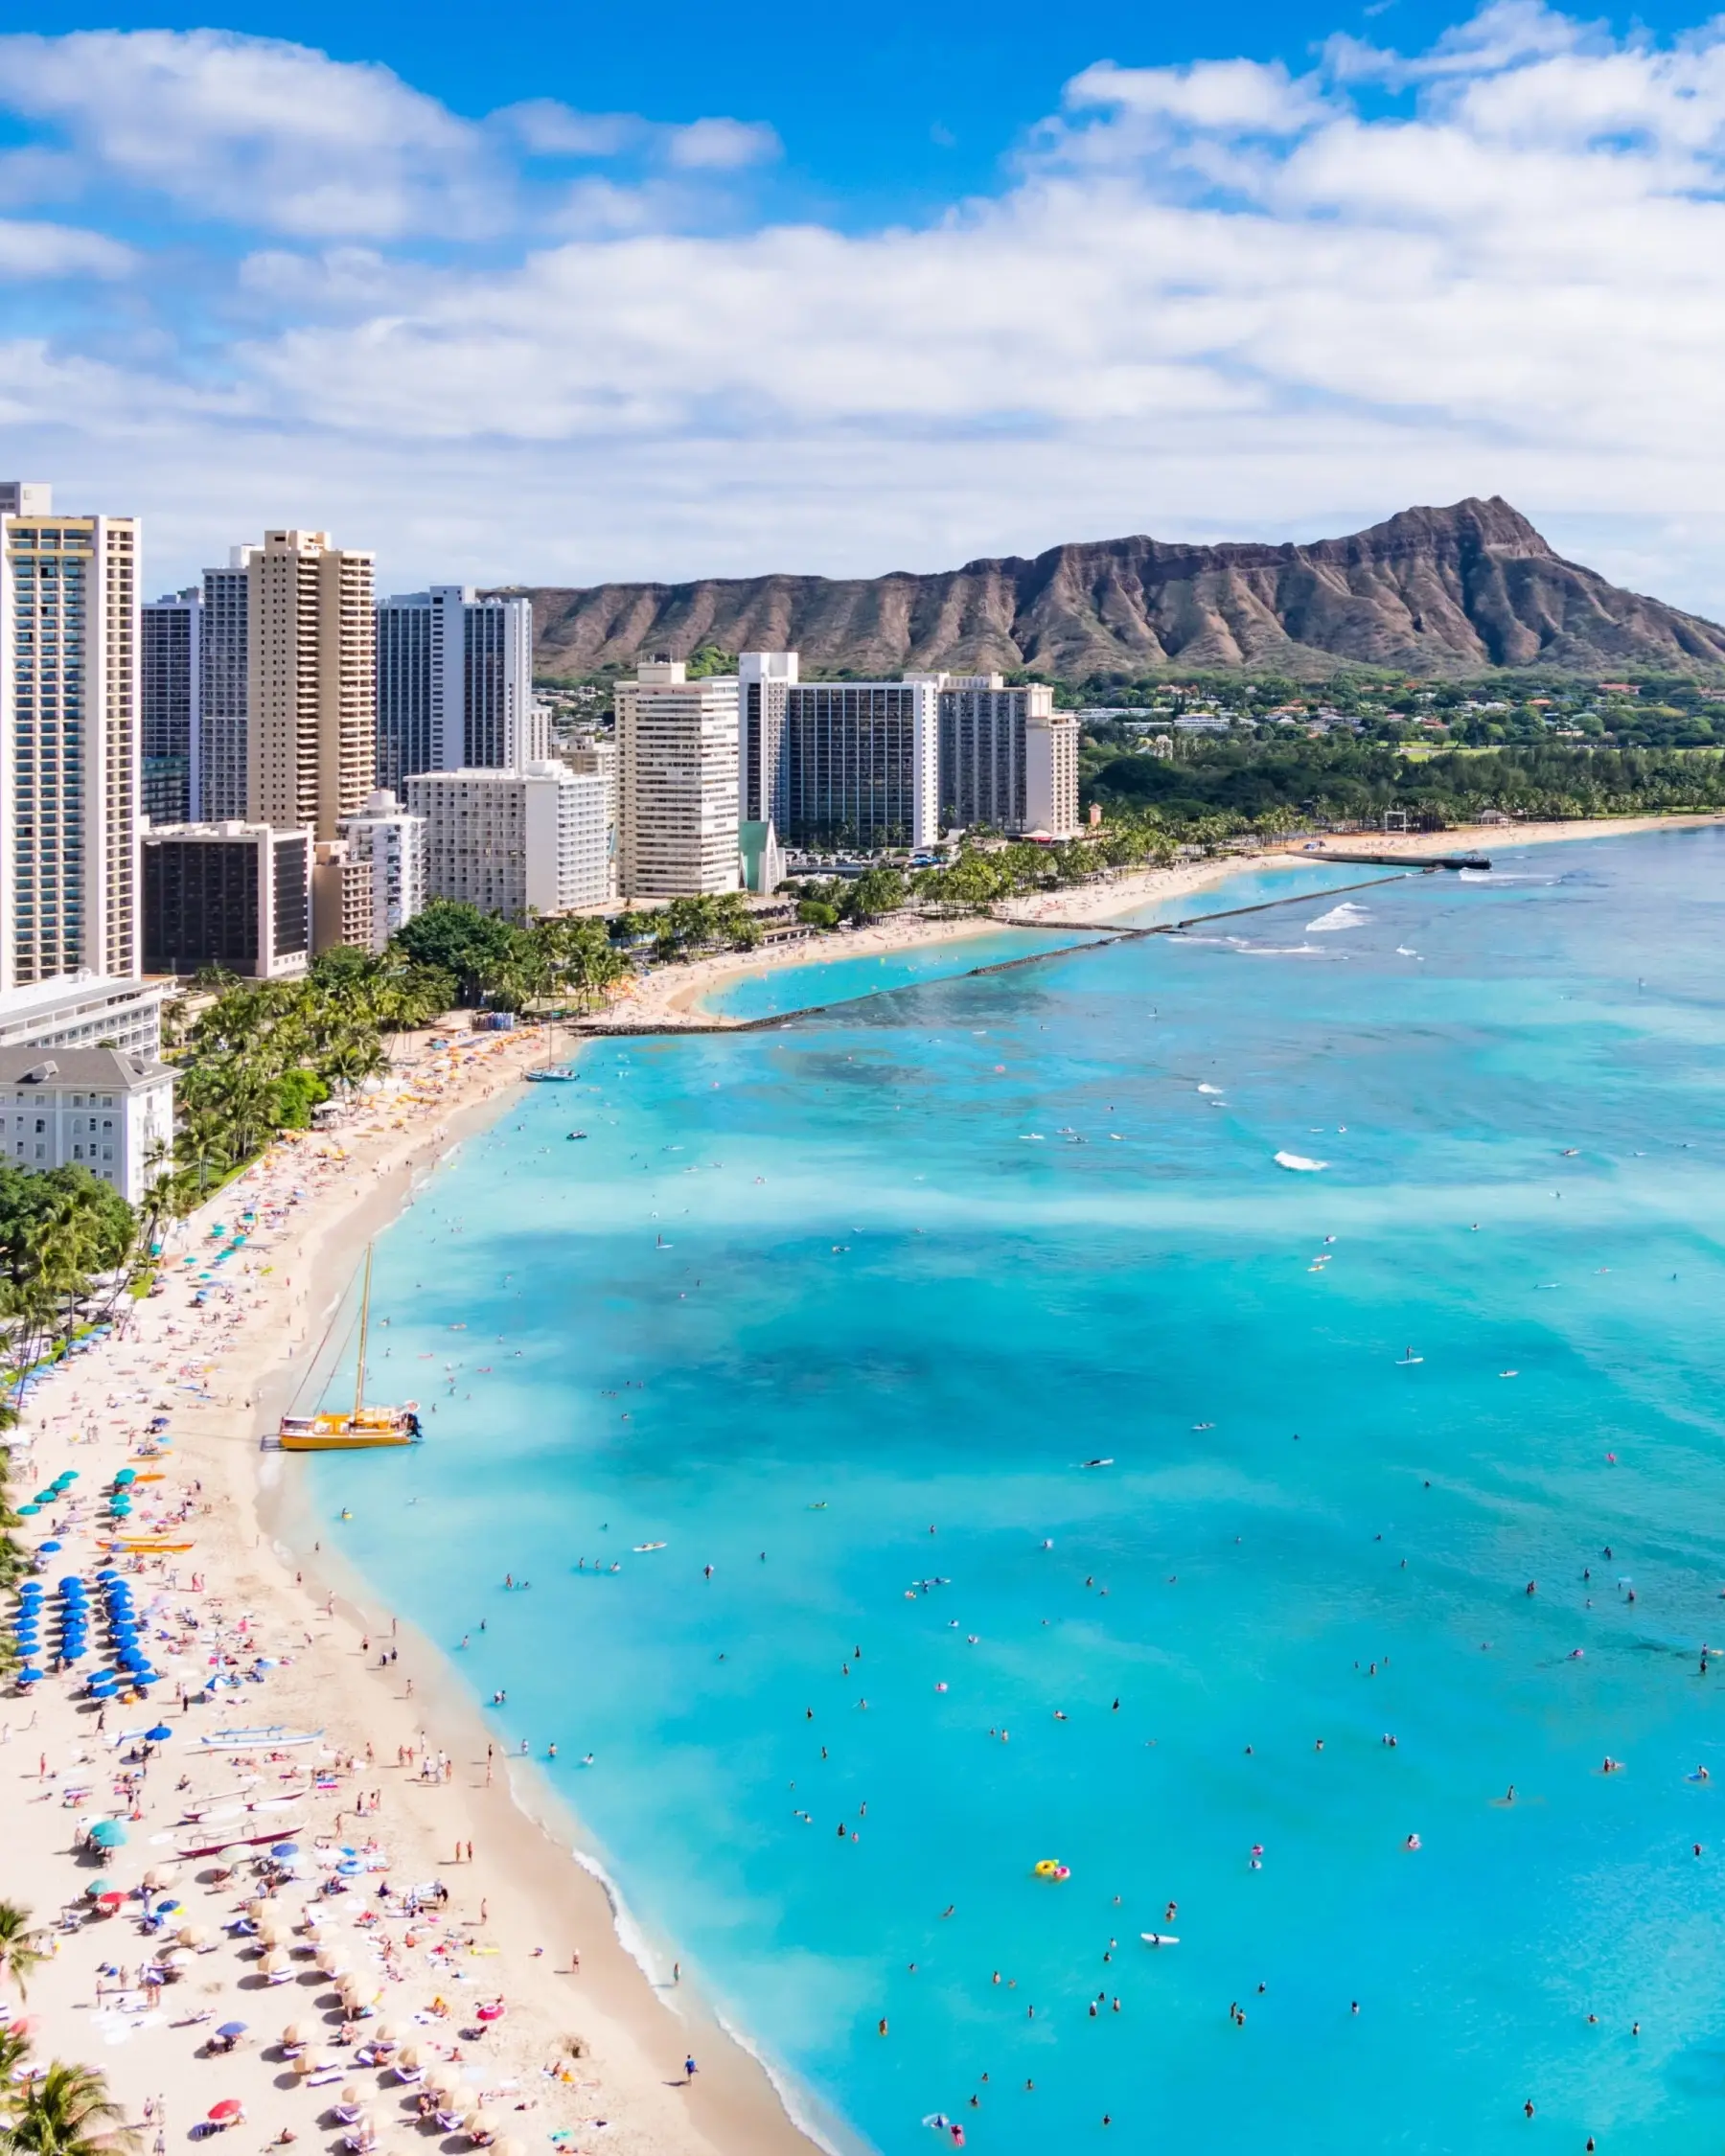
689, 2067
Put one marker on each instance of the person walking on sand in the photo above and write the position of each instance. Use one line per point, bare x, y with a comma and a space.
689, 2067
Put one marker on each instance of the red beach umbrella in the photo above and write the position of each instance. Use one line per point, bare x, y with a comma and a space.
228, 2109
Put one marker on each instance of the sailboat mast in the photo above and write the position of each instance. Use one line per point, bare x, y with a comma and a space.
365, 1321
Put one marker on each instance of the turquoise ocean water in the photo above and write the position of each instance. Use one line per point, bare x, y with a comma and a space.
818, 1291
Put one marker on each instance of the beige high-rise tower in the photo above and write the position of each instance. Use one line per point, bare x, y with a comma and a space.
312, 667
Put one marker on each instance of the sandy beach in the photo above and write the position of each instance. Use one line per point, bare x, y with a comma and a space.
457, 1896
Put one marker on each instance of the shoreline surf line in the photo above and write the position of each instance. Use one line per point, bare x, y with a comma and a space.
618, 2002
671, 1000
321, 1197
1102, 934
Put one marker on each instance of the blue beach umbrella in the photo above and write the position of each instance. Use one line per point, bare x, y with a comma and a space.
159, 1735
284, 1850
47, 1548
29, 1676
126, 1475
28, 1511
108, 1834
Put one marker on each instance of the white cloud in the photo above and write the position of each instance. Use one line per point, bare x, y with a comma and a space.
1209, 297
254, 131
277, 137
547, 128
29, 248
720, 145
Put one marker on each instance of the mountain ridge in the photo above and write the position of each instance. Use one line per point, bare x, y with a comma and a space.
1433, 591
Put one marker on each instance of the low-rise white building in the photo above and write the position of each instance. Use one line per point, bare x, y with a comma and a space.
88, 1107
84, 1011
514, 843
391, 843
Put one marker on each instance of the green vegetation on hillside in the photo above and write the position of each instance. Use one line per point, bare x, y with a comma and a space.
1341, 778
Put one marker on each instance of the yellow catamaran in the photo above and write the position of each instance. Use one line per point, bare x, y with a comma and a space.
366, 1429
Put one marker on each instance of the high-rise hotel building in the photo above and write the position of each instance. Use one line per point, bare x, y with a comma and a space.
219, 759
676, 783
455, 685
170, 671
311, 682
69, 740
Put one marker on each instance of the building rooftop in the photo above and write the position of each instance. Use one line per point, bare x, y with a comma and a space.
69, 992
97, 1069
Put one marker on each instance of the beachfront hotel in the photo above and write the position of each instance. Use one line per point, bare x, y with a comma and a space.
676, 783
836, 763
455, 685
514, 843
99, 1109
1008, 759
310, 682
890, 764
69, 777
856, 765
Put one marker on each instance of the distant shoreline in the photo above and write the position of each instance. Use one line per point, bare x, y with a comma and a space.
673, 998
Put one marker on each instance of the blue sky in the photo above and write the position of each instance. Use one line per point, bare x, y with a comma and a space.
572, 294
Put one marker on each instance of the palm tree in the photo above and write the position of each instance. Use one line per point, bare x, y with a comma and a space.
14, 2049
67, 2111
20, 1953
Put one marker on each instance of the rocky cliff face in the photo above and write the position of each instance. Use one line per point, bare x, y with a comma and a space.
1432, 590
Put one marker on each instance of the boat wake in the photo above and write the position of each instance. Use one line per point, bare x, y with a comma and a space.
1298, 1163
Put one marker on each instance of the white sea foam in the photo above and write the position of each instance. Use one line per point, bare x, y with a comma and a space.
1346, 915
1406, 950
1299, 1162
1210, 1088
633, 1943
